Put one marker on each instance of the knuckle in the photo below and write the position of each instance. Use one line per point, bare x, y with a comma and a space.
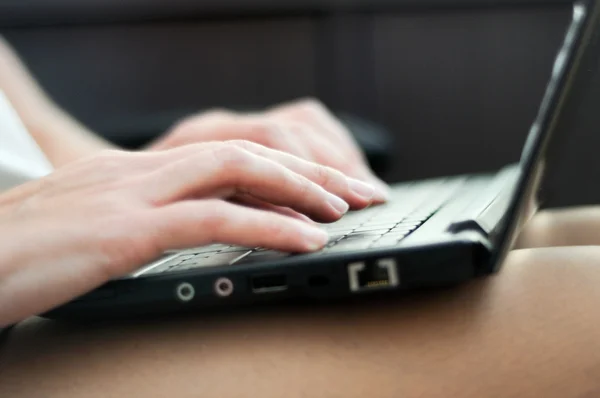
186, 125
310, 105
244, 144
276, 229
109, 159
324, 175
217, 113
299, 129
215, 217
232, 157
190, 124
265, 132
305, 187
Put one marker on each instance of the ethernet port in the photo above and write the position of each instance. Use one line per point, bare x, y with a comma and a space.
373, 275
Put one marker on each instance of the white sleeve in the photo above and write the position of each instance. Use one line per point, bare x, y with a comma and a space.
21, 159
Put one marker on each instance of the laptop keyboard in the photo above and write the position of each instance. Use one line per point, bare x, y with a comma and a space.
386, 225
382, 226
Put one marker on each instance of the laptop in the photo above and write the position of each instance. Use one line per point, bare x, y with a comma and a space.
432, 233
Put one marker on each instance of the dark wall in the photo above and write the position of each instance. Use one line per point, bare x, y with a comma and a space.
457, 83
125, 80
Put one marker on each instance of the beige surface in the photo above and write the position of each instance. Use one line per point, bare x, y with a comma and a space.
531, 331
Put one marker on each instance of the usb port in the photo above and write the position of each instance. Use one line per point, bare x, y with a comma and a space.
269, 283
375, 275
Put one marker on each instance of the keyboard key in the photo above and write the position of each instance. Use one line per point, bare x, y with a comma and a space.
375, 226
343, 231
205, 249
366, 238
231, 249
214, 260
409, 224
362, 237
348, 245
333, 239
418, 216
193, 260
369, 232
164, 266
183, 257
401, 228
397, 234
386, 218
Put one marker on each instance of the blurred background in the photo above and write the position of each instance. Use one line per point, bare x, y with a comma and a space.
430, 87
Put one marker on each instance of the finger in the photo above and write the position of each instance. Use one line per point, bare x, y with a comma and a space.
229, 170
274, 134
356, 193
227, 126
197, 223
382, 189
255, 203
315, 114
193, 129
323, 151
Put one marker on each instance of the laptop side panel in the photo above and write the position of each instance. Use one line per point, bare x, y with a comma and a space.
308, 278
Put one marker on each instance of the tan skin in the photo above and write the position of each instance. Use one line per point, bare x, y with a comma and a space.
530, 331
104, 216
193, 179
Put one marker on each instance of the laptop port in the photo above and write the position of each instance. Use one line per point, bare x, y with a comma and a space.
185, 292
269, 283
374, 275
223, 287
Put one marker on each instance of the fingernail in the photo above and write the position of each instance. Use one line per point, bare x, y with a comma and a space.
316, 238
382, 191
338, 204
361, 189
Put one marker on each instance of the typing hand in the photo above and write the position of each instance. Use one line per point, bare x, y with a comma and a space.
104, 216
303, 128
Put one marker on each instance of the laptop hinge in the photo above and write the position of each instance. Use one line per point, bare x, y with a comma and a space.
486, 214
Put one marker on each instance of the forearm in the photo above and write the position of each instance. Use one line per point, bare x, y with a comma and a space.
61, 137
48, 271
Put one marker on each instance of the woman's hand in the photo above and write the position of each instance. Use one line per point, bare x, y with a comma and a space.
303, 128
105, 216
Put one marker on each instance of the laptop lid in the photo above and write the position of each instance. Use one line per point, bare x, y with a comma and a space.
575, 65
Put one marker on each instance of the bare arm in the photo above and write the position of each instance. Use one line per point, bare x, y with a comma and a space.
106, 215
303, 128
61, 137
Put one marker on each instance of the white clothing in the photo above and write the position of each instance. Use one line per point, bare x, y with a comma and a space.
21, 159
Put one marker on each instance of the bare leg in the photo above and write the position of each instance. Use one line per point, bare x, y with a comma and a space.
563, 227
530, 331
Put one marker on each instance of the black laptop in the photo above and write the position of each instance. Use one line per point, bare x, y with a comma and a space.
432, 233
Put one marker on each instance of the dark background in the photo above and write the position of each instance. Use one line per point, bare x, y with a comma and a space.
456, 82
